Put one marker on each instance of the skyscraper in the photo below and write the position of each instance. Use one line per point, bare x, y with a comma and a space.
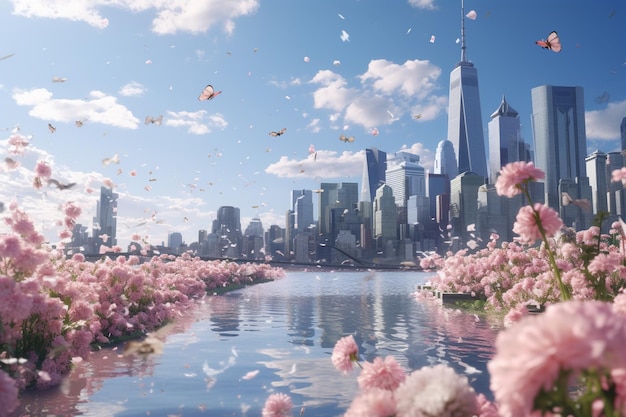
302, 206
334, 196
465, 126
374, 168
596, 169
405, 176
445, 159
105, 222
227, 226
622, 131
505, 142
558, 123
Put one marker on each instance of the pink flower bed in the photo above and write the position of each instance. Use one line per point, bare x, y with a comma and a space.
52, 309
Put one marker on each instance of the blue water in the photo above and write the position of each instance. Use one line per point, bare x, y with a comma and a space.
233, 350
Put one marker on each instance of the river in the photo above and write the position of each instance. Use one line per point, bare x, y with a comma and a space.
227, 355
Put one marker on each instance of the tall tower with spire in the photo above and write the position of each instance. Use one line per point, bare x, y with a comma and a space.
465, 126
505, 139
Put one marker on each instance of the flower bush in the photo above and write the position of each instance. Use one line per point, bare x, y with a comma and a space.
569, 360
53, 309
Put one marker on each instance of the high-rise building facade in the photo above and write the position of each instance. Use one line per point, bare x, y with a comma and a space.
374, 168
406, 176
384, 216
622, 131
505, 141
343, 195
596, 170
558, 123
105, 222
302, 206
227, 226
465, 126
445, 159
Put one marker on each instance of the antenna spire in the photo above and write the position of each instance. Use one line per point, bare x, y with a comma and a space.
463, 59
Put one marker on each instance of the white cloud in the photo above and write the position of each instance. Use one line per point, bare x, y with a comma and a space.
423, 4
98, 108
85, 11
152, 216
327, 165
333, 94
183, 15
133, 88
413, 78
386, 93
198, 123
605, 124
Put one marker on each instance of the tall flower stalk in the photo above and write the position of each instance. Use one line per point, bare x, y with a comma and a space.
535, 220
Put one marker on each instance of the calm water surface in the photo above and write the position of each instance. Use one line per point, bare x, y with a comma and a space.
233, 350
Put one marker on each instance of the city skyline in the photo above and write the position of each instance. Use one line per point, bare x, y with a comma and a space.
383, 82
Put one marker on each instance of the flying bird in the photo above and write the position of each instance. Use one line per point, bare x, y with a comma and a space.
58, 80
61, 186
346, 139
79, 123
280, 132
115, 159
208, 93
157, 121
553, 42
51, 128
6, 56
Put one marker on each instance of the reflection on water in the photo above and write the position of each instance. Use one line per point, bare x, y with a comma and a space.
225, 357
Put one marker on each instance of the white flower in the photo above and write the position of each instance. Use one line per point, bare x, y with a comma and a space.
436, 391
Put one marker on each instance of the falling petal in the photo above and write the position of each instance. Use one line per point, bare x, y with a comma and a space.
307, 59
432, 39
336, 62
250, 375
471, 15
345, 37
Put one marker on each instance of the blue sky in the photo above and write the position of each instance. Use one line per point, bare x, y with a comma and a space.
316, 68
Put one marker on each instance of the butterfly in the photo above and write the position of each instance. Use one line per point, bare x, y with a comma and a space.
208, 93
346, 139
280, 132
157, 121
61, 186
51, 128
553, 42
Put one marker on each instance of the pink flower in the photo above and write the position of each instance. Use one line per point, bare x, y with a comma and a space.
375, 402
381, 374
435, 391
43, 170
619, 175
278, 405
344, 353
604, 263
486, 408
107, 182
570, 336
8, 394
526, 224
514, 175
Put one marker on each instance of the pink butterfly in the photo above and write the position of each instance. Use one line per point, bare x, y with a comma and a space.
553, 42
208, 93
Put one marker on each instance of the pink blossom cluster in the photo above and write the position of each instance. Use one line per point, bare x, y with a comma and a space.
574, 343
52, 309
386, 390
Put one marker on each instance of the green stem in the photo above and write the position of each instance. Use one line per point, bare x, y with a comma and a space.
565, 292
